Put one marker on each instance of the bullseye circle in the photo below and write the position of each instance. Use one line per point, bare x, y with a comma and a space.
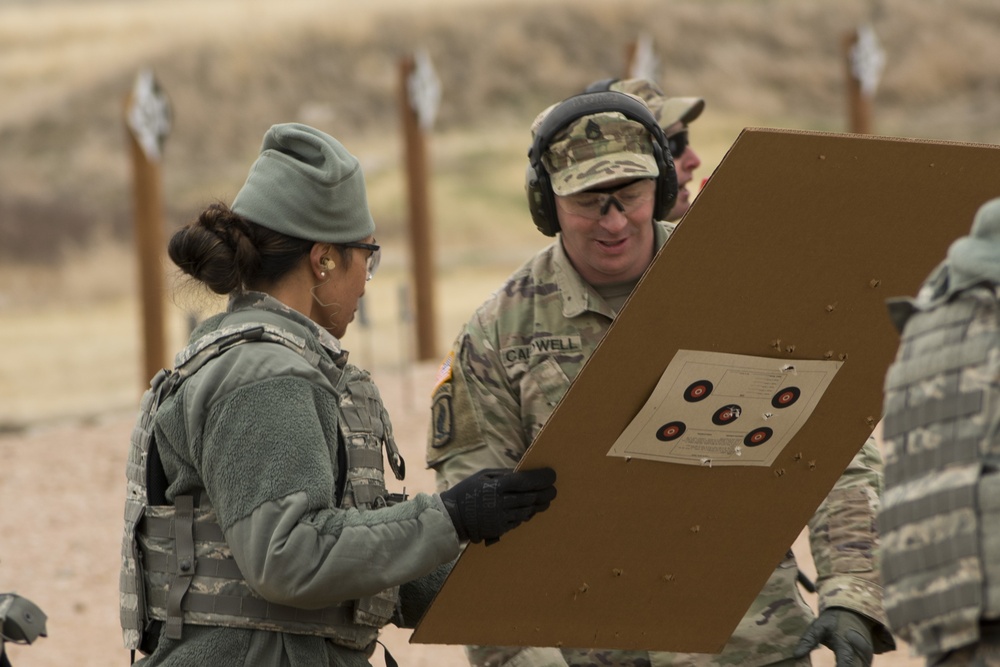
670, 431
698, 391
758, 436
786, 397
727, 414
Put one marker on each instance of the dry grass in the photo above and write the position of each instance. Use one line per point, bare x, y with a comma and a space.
233, 67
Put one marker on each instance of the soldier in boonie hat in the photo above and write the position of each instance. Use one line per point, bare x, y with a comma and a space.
674, 114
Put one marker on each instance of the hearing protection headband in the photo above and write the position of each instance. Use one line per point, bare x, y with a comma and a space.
538, 185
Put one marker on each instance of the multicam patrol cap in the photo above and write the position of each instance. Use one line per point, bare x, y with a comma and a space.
667, 110
597, 149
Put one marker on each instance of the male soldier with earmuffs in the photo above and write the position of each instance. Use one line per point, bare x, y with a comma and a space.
602, 181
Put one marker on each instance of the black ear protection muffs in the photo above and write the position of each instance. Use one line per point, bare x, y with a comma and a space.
541, 200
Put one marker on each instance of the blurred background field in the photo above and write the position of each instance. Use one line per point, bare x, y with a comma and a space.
232, 68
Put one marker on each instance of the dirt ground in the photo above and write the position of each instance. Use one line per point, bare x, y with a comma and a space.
60, 520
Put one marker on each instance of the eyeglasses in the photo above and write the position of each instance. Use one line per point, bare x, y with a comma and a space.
677, 143
374, 256
595, 203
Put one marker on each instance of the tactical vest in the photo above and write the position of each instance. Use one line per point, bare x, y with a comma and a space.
940, 548
176, 565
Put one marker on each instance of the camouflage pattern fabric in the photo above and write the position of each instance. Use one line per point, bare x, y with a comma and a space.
503, 378
598, 147
224, 582
984, 653
941, 561
668, 111
206, 344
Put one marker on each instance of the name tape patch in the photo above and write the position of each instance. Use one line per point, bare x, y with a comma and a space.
551, 345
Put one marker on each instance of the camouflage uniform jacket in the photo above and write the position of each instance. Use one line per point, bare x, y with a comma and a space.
256, 431
507, 371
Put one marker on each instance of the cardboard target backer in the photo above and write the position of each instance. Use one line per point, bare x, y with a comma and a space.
788, 255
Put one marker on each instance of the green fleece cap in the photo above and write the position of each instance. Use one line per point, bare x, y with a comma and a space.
307, 185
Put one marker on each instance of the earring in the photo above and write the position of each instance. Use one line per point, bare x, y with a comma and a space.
322, 274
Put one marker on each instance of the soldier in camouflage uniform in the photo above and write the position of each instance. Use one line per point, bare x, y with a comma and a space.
518, 354
265, 534
941, 546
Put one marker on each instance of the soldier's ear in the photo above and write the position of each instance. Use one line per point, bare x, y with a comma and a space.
321, 259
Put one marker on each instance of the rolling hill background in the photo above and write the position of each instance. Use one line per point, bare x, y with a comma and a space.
232, 68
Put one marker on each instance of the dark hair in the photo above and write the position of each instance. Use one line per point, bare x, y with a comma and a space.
229, 253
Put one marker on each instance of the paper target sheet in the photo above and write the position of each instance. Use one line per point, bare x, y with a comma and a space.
711, 409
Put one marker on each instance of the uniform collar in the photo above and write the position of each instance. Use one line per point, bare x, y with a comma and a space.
267, 303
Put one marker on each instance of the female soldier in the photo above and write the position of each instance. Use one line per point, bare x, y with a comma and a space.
258, 527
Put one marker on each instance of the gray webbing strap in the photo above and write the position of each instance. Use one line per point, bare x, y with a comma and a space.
383, 607
971, 352
364, 458
920, 509
163, 527
396, 461
929, 556
359, 418
931, 412
957, 312
224, 568
963, 596
184, 548
257, 608
364, 494
963, 451
222, 340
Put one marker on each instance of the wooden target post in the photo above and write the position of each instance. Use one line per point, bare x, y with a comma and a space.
419, 95
863, 60
640, 59
147, 121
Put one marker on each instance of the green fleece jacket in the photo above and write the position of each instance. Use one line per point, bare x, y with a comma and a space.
255, 431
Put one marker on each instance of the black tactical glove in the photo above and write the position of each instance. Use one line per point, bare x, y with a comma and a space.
846, 633
491, 502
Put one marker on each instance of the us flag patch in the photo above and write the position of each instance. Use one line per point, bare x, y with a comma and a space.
444, 371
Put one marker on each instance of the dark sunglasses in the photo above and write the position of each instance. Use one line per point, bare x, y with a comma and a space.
375, 255
678, 143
